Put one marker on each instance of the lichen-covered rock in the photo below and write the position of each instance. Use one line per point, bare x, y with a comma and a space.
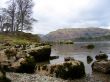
41, 53
101, 56
17, 64
24, 65
101, 66
67, 70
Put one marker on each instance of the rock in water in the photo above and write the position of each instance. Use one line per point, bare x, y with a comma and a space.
101, 56
67, 70
101, 66
89, 59
68, 58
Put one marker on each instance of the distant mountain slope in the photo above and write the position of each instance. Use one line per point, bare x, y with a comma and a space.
73, 33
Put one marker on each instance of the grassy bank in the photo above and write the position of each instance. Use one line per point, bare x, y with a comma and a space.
18, 38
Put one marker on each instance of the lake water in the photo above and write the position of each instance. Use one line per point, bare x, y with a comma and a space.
80, 53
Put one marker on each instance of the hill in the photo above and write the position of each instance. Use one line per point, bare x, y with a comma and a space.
18, 38
75, 34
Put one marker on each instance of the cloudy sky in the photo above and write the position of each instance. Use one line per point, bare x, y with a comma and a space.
57, 14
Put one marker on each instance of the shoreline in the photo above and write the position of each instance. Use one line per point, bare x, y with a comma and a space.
23, 77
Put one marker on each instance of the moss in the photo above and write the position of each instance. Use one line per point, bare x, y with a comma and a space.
18, 38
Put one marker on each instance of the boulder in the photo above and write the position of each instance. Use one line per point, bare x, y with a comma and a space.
67, 70
41, 53
89, 59
24, 65
101, 56
54, 57
101, 66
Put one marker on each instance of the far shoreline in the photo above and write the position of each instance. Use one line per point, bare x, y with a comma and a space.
92, 42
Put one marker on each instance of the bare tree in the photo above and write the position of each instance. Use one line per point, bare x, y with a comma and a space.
18, 15
25, 10
2, 19
11, 11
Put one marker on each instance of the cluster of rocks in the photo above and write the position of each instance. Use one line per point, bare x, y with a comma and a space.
22, 58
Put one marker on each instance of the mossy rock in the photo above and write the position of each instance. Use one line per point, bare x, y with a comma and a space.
70, 71
90, 46
28, 66
101, 56
41, 53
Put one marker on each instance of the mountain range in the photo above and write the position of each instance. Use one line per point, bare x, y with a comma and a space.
75, 34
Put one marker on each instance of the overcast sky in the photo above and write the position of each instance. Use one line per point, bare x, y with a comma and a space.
57, 14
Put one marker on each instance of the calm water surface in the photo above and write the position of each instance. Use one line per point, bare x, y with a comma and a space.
80, 53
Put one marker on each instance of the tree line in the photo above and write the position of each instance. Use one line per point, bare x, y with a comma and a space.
17, 16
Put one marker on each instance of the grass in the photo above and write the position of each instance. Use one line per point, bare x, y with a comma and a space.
19, 38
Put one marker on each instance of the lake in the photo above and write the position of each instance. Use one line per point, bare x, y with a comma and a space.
78, 51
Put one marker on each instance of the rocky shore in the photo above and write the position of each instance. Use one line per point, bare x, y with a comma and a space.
18, 77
